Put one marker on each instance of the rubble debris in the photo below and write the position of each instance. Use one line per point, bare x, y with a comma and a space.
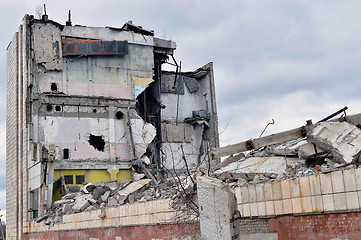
343, 140
309, 150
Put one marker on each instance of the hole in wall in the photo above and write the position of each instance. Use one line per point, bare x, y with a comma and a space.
94, 110
66, 153
57, 108
97, 142
54, 87
119, 115
49, 107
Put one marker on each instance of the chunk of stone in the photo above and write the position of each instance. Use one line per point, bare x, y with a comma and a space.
62, 202
111, 184
99, 191
105, 196
80, 205
343, 140
71, 195
133, 187
309, 150
138, 176
66, 208
112, 202
289, 148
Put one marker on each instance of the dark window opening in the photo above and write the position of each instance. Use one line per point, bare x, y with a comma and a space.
79, 179
119, 115
97, 142
53, 87
94, 110
57, 108
49, 107
68, 179
66, 153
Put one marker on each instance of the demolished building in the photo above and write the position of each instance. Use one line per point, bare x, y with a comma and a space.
92, 104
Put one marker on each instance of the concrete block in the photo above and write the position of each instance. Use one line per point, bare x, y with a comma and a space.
296, 205
340, 201
317, 205
261, 206
287, 206
349, 178
260, 193
252, 193
308, 150
328, 202
268, 191
306, 204
246, 210
286, 189
295, 188
341, 138
315, 185
278, 207
352, 201
244, 195
253, 209
270, 208
337, 182
305, 189
358, 178
326, 183
276, 190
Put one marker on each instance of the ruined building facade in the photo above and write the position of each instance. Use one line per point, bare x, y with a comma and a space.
90, 104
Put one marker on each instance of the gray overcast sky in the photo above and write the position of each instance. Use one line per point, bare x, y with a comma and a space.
274, 59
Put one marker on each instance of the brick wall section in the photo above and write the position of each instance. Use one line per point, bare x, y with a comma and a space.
11, 137
321, 227
254, 226
334, 192
153, 213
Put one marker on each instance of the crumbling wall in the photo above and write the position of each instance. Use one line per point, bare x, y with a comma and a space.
189, 119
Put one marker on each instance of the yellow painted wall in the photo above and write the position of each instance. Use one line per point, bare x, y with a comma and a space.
90, 176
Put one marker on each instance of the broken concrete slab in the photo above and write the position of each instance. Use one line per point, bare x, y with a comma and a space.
343, 140
105, 196
138, 176
309, 150
133, 187
62, 202
80, 205
258, 165
289, 148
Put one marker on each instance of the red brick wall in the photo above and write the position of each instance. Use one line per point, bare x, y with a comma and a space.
165, 232
324, 226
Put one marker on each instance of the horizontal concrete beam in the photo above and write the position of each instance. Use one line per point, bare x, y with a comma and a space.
275, 138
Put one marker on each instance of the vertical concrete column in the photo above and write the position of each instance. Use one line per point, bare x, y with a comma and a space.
218, 214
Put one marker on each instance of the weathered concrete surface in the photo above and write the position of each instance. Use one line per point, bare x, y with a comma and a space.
258, 165
289, 148
343, 140
217, 209
134, 186
309, 150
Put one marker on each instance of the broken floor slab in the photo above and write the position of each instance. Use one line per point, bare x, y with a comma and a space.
259, 165
309, 150
343, 140
289, 148
133, 187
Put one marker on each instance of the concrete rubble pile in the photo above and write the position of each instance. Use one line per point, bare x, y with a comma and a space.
328, 146
99, 195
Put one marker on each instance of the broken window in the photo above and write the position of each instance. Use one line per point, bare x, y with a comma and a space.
53, 87
66, 153
68, 179
97, 142
34, 199
79, 179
